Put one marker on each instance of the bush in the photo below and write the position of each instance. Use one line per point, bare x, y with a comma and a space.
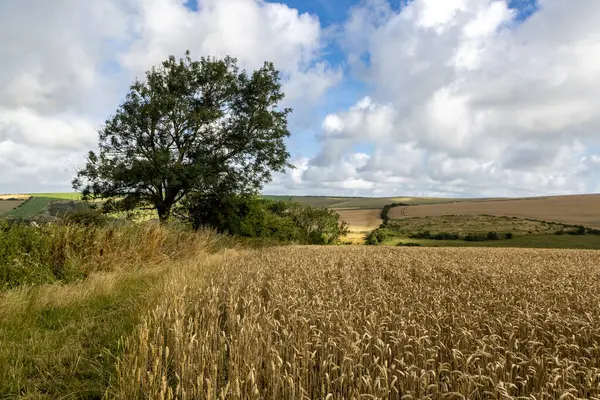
86, 218
386, 209
371, 239
475, 238
421, 235
445, 236
579, 230
437, 236
493, 236
375, 237
508, 235
251, 216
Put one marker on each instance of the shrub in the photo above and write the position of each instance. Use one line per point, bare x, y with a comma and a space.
371, 239
421, 235
508, 235
86, 218
473, 237
437, 236
445, 236
386, 209
250, 216
493, 236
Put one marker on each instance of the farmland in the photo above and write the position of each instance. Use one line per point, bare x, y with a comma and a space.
355, 322
361, 220
32, 204
365, 203
147, 311
574, 210
7, 206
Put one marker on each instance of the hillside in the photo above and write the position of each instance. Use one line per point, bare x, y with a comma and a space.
575, 210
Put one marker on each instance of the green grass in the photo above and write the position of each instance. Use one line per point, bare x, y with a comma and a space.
31, 207
469, 224
69, 293
62, 341
58, 196
590, 242
38, 202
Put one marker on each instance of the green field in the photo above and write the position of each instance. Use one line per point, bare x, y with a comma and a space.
38, 202
466, 224
59, 196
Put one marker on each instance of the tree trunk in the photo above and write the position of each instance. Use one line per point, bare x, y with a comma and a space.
163, 213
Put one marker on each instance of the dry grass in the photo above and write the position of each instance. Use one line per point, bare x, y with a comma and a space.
373, 323
574, 210
361, 220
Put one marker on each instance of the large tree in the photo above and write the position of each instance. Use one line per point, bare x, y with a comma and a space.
201, 127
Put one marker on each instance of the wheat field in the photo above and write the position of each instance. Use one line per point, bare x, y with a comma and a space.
574, 210
371, 323
361, 220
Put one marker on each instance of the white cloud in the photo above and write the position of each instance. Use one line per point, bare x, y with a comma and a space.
475, 102
68, 64
462, 98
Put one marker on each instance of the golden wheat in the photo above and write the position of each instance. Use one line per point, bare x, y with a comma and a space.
374, 323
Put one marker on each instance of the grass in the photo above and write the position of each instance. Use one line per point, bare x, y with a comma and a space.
161, 312
68, 294
590, 242
36, 204
465, 224
59, 196
62, 341
31, 207
378, 322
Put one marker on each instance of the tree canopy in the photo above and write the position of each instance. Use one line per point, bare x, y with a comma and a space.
203, 127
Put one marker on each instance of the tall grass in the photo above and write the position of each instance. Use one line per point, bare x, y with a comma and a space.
59, 335
66, 252
372, 323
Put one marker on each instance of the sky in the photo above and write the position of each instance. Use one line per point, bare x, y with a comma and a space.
455, 98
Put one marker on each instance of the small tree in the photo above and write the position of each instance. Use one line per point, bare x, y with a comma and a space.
190, 127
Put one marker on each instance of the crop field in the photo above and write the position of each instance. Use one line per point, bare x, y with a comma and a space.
7, 206
365, 202
574, 210
372, 322
33, 204
361, 220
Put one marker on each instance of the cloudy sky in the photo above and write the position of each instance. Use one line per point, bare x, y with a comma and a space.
390, 97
